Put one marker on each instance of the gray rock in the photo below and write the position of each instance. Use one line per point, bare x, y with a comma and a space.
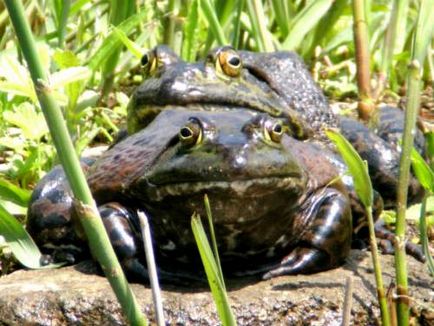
75, 296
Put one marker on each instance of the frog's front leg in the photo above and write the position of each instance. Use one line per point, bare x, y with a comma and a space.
123, 228
326, 241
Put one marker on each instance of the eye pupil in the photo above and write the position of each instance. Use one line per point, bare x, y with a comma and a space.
234, 61
145, 60
277, 128
186, 132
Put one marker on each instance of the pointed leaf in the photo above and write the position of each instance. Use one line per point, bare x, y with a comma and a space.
422, 171
11, 192
357, 167
212, 272
20, 242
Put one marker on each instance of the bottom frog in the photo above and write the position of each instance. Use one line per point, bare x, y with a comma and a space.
278, 203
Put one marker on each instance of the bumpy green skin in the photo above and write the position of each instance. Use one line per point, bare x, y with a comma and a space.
277, 204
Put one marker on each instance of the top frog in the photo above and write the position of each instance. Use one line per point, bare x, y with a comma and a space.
275, 83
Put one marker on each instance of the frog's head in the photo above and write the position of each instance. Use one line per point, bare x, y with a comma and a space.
220, 82
237, 158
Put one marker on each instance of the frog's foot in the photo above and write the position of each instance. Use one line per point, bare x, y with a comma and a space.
300, 261
387, 239
123, 230
327, 240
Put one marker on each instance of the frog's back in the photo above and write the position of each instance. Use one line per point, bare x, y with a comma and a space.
288, 76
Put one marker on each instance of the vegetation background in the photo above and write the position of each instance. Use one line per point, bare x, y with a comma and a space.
85, 47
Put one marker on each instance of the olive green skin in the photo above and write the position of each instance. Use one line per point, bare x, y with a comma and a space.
275, 83
270, 199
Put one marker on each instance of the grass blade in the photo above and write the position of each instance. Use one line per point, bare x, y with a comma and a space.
304, 21
212, 271
20, 242
213, 240
356, 166
213, 21
112, 41
190, 32
12, 193
363, 187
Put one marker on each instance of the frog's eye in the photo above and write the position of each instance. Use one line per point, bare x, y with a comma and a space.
149, 62
145, 59
230, 62
274, 131
190, 134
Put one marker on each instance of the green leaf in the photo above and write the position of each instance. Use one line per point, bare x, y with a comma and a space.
65, 59
11, 192
112, 42
190, 32
69, 75
20, 242
429, 137
357, 167
212, 271
304, 21
15, 79
136, 50
422, 171
31, 122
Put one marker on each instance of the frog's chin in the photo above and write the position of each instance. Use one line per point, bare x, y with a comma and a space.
250, 188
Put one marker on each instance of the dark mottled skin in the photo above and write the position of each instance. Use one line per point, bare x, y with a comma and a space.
253, 184
278, 204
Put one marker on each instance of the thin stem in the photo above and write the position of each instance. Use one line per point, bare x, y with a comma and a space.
365, 105
66, 5
421, 40
348, 301
385, 317
152, 268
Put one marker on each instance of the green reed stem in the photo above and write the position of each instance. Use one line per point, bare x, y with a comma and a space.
385, 315
66, 5
213, 22
361, 40
397, 20
421, 40
92, 224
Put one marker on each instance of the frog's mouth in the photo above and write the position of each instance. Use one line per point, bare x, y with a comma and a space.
245, 188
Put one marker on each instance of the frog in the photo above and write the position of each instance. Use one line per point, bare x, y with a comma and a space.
228, 85
278, 207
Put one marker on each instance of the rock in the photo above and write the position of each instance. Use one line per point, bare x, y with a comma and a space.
72, 295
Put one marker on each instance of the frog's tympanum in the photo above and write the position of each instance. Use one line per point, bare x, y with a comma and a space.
245, 129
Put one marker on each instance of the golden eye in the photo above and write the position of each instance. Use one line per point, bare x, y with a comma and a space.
190, 134
274, 131
149, 63
145, 59
229, 62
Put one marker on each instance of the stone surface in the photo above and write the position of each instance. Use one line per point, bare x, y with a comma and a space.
73, 296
